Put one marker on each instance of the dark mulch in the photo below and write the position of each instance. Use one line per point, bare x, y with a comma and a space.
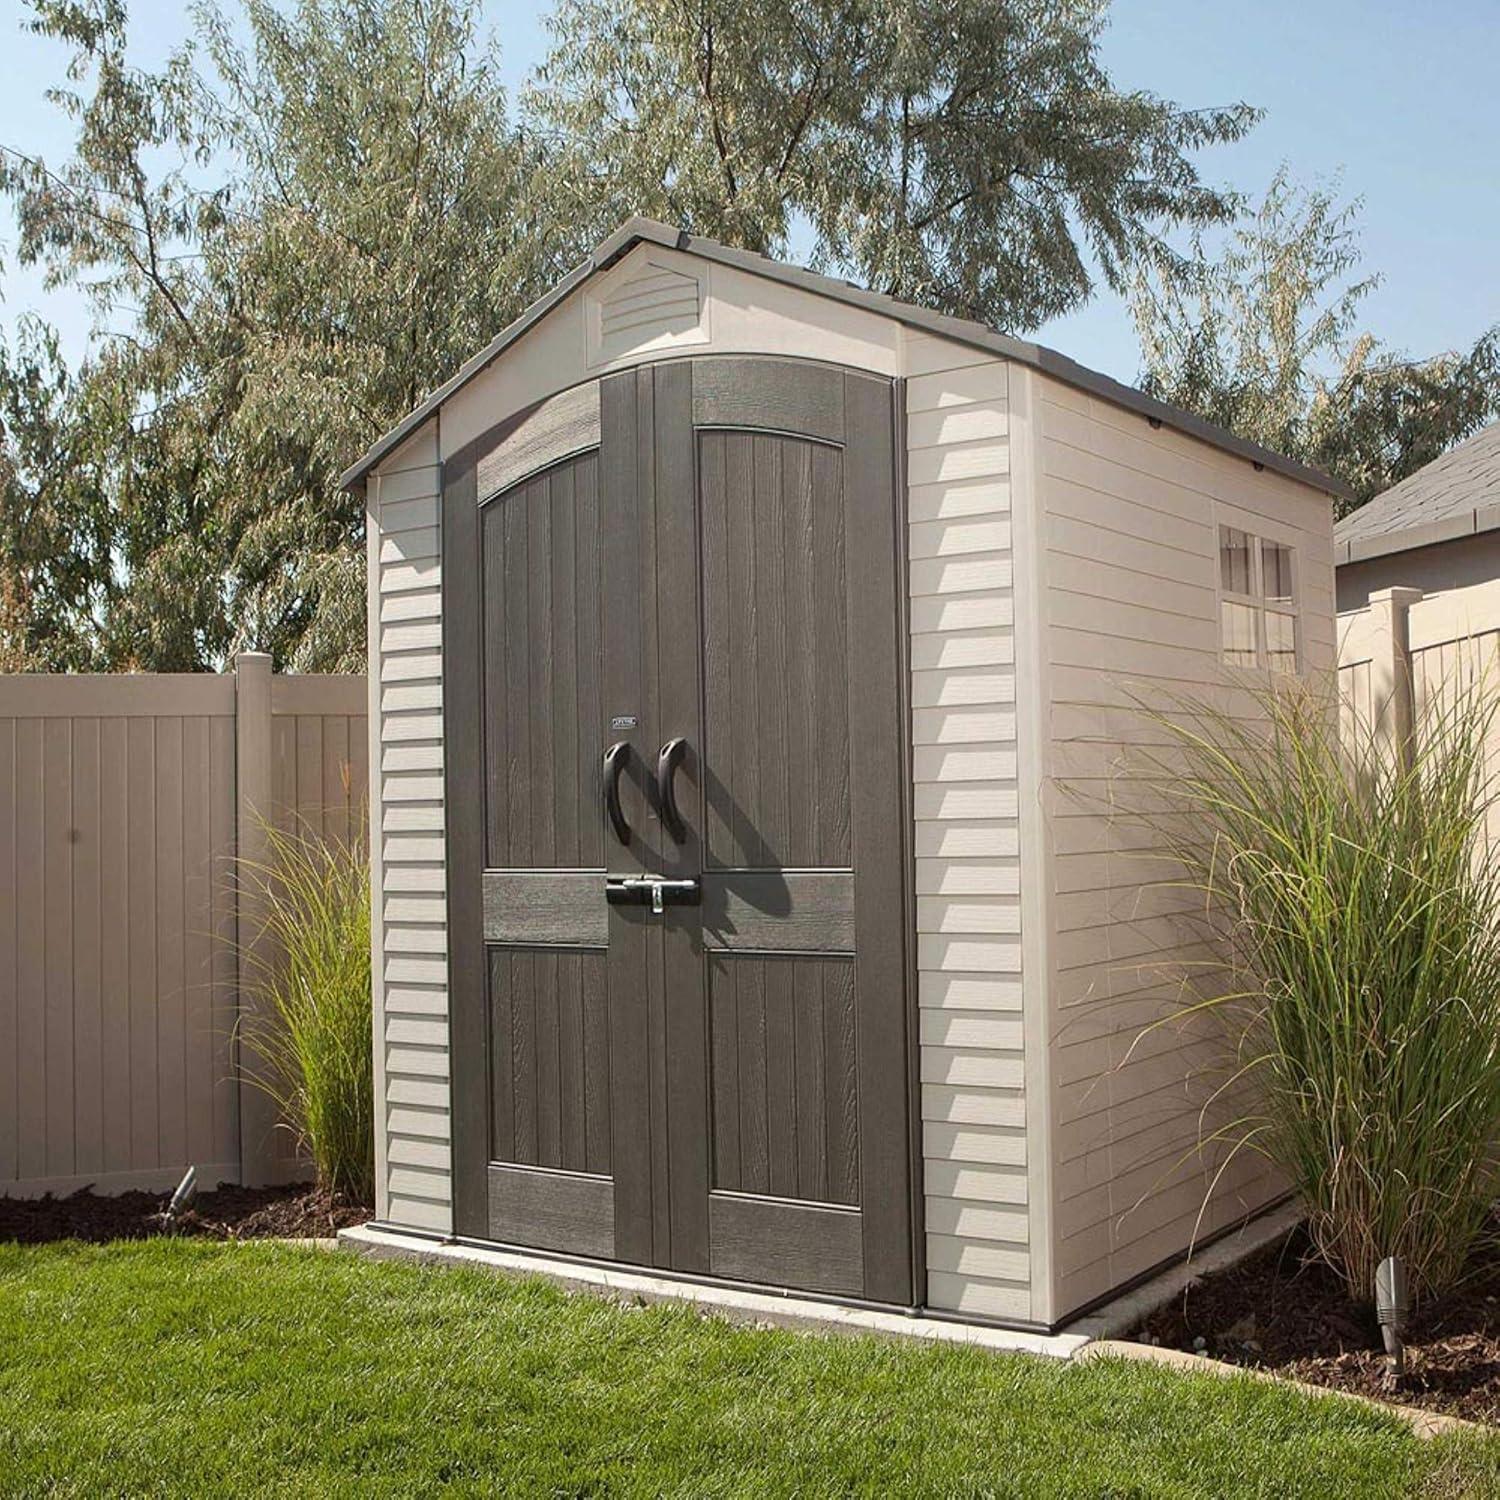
227, 1213
1282, 1310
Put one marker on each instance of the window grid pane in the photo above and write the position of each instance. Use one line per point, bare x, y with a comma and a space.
1237, 632
1281, 641
1234, 561
1276, 572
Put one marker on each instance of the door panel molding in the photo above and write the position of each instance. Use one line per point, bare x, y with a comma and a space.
770, 395
812, 1246
778, 911
559, 427
568, 1211
565, 907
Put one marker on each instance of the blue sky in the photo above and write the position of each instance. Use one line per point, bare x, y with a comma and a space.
1400, 99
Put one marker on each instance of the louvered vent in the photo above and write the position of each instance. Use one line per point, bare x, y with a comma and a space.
649, 305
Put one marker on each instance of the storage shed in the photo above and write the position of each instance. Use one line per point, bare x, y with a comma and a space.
739, 644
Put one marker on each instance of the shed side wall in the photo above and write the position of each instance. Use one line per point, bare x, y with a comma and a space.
973, 1106
1128, 536
406, 786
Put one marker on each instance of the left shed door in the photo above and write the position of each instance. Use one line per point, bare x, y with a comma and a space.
523, 651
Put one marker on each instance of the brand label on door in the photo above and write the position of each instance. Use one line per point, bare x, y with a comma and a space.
623, 721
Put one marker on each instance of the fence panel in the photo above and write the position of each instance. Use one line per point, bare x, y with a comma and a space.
1406, 655
120, 805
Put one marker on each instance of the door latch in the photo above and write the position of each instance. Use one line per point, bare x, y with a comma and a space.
657, 889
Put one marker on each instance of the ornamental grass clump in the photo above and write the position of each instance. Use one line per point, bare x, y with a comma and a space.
1351, 894
307, 1039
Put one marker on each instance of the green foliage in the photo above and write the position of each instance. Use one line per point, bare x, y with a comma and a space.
968, 155
177, 1367
1353, 900
1263, 338
308, 967
286, 246
315, 212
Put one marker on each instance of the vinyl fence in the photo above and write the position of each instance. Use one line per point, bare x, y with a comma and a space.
123, 800
1402, 653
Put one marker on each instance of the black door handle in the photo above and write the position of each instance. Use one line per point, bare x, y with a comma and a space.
666, 772
614, 762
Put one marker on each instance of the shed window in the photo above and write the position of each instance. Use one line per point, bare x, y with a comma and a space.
1258, 602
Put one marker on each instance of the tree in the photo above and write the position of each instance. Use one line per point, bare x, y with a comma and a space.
1263, 338
970, 155
305, 266
310, 216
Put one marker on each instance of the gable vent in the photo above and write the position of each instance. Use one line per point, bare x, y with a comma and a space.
650, 306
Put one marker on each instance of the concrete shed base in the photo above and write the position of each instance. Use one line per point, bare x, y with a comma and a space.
737, 1304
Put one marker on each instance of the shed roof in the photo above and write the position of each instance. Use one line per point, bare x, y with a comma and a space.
1456, 495
648, 231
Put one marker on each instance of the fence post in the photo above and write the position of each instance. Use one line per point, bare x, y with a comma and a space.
1391, 688
252, 706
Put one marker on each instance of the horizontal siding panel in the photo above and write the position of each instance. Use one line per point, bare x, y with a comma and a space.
964, 1069
962, 612
947, 1028
967, 877
938, 575
419, 1213
952, 651
983, 380
966, 954
418, 755
991, 1108
961, 689
956, 424
420, 1182
985, 496
943, 914
402, 728
407, 515
995, 840
942, 801
979, 1184
418, 1151
427, 1093
403, 969
949, 1253
410, 1120
413, 546
410, 577
977, 1221
971, 1294
959, 538
402, 607
959, 991
958, 462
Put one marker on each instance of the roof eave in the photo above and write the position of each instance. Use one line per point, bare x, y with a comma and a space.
649, 231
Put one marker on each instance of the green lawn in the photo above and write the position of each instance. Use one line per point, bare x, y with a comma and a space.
182, 1367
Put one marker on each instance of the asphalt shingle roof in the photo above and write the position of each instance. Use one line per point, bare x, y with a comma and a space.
1454, 496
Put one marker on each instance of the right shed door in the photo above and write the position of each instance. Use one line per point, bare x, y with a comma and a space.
776, 1031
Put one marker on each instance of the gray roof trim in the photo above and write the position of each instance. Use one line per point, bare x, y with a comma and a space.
1049, 362
1432, 533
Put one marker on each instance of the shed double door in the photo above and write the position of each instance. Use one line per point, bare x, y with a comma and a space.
674, 768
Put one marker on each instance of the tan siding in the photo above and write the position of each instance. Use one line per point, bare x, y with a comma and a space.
968, 863
1128, 520
411, 1020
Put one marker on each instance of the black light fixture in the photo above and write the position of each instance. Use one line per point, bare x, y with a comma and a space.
1392, 1308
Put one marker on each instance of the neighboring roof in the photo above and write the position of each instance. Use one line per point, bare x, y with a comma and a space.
647, 231
1454, 496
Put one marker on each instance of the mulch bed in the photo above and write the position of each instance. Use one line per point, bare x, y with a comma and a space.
1281, 1310
227, 1213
